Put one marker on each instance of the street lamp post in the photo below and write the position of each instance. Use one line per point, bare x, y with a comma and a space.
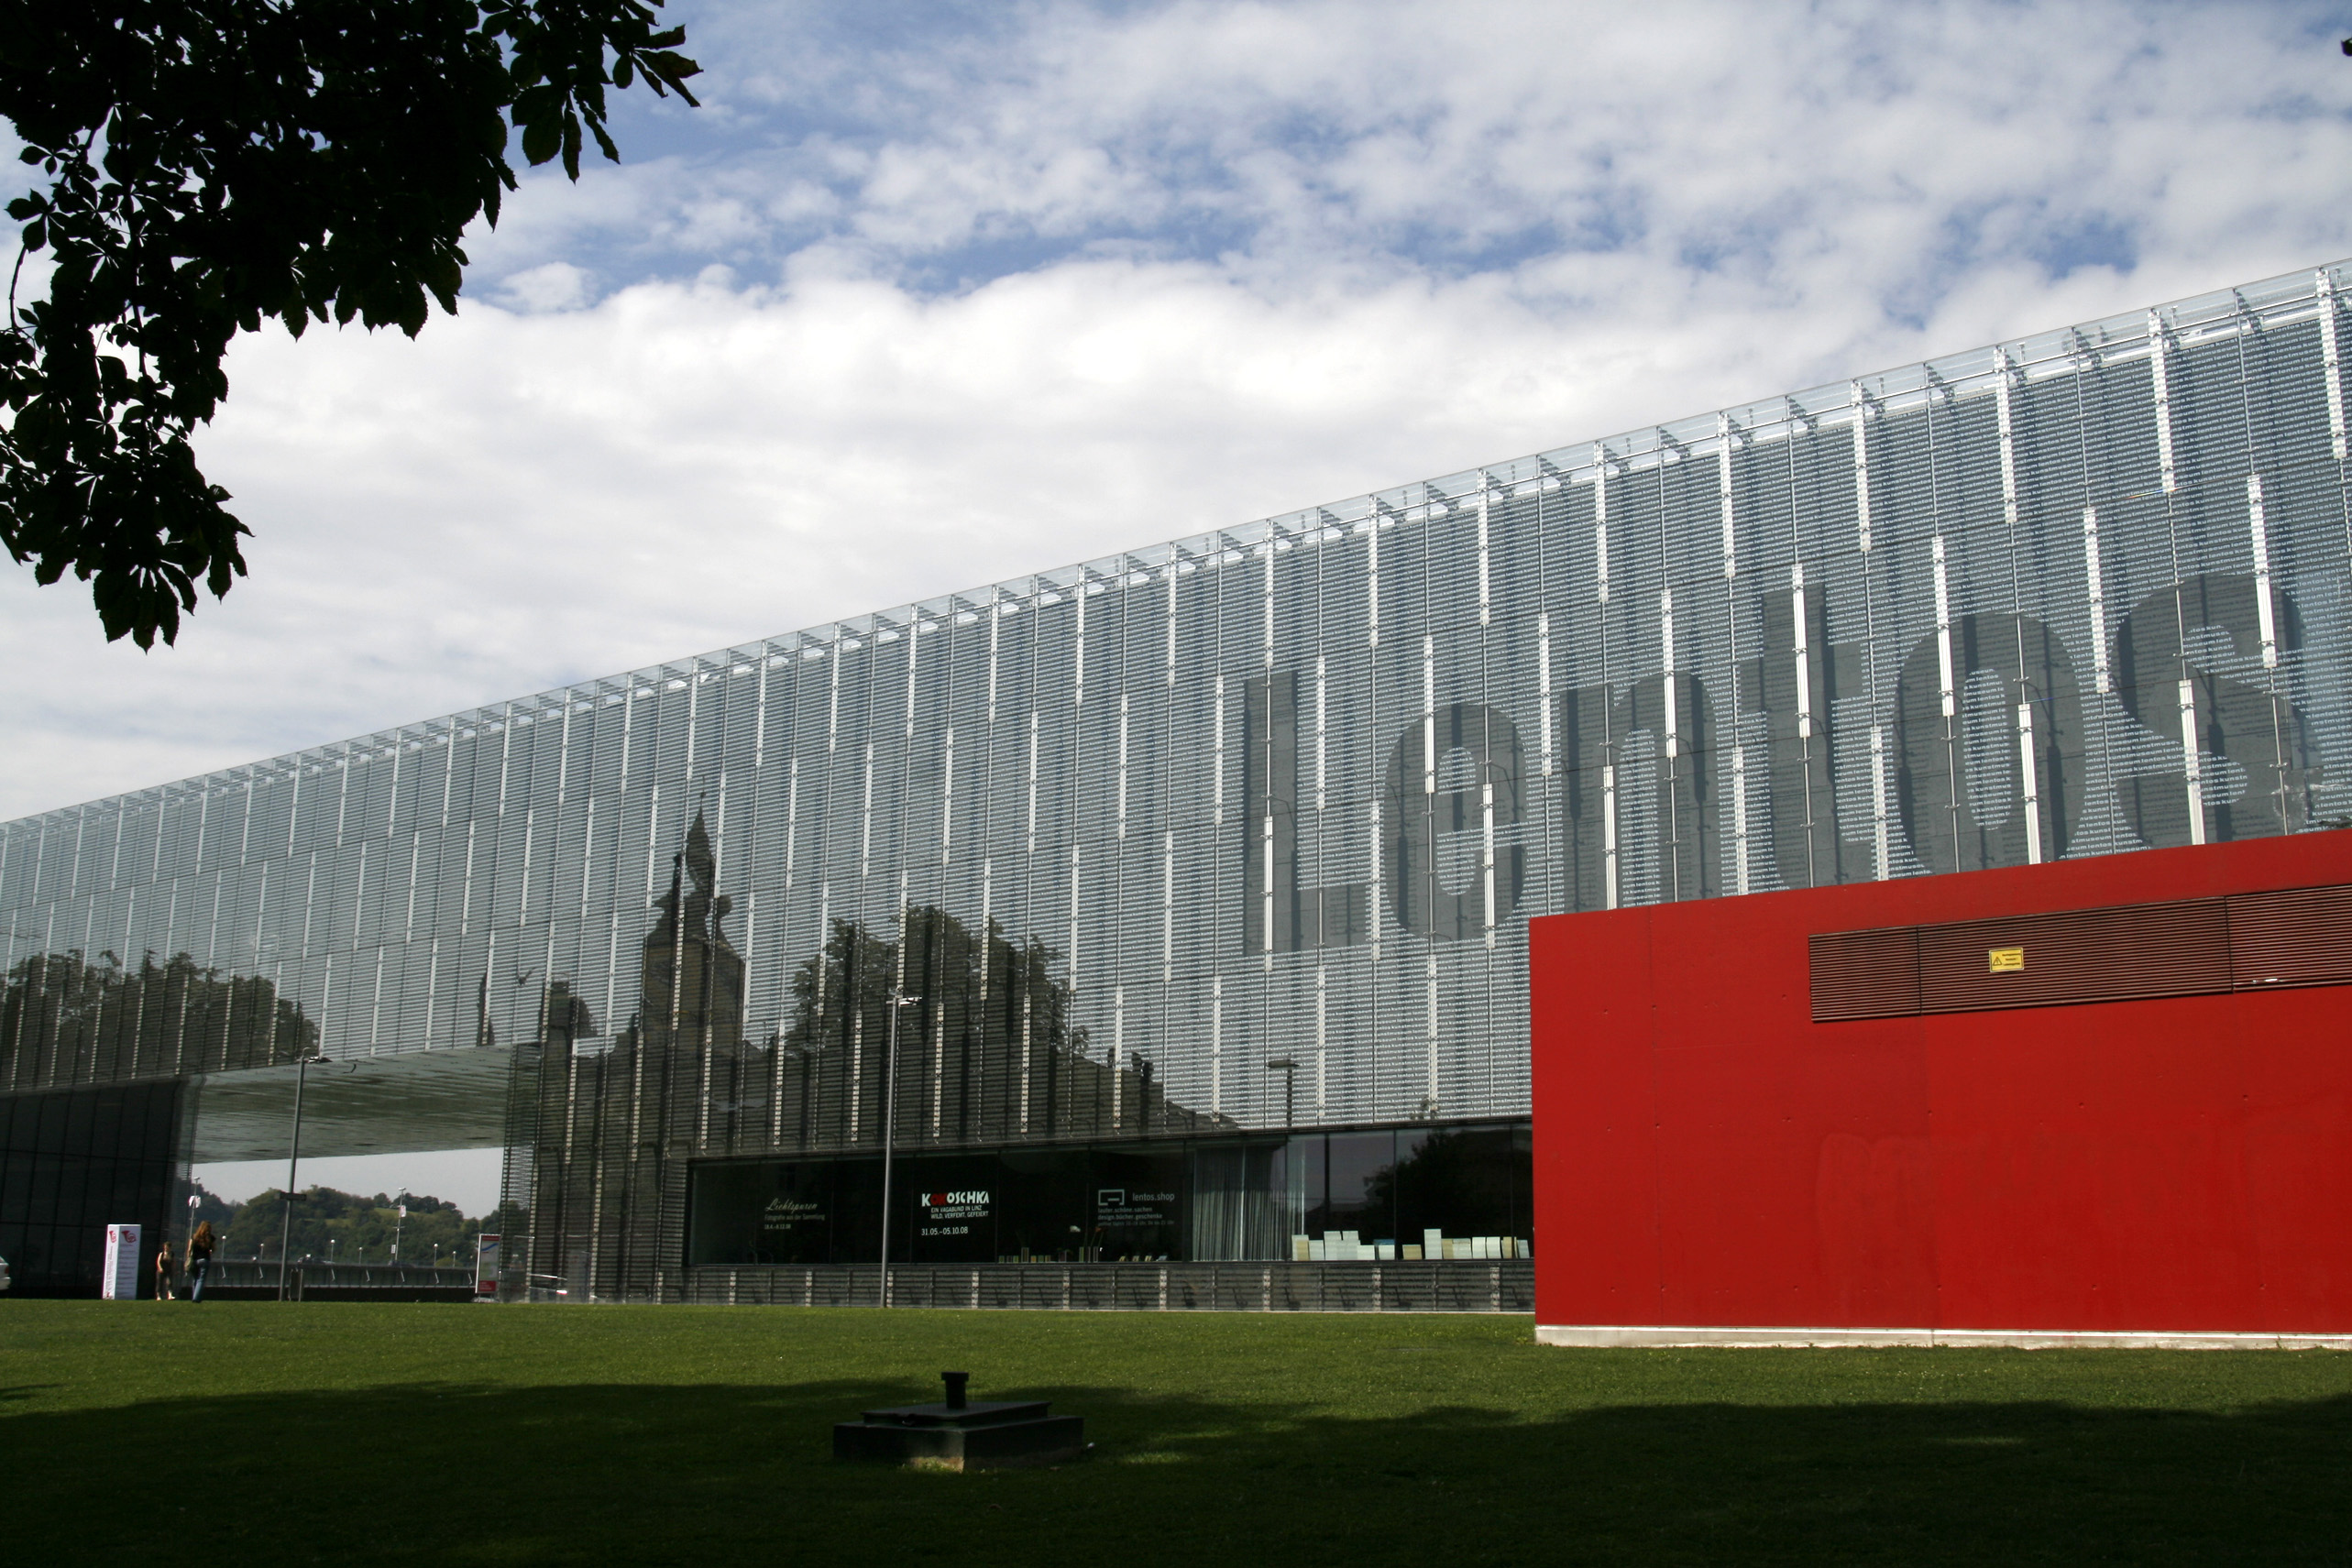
898, 999
294, 1160
1289, 1068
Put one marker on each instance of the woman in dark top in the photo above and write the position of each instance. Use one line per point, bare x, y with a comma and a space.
200, 1260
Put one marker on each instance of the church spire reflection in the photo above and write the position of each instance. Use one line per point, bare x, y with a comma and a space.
691, 978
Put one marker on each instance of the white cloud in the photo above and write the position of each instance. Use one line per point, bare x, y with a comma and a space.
551, 286
918, 314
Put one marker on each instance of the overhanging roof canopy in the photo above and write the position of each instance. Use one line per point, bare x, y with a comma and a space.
386, 1105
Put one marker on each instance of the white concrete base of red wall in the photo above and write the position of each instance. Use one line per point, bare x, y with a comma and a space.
2016, 1339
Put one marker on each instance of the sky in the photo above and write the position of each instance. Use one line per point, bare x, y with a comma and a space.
924, 296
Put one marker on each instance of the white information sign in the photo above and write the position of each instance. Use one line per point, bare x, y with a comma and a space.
120, 1282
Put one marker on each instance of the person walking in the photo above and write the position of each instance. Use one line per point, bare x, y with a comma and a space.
163, 1272
200, 1260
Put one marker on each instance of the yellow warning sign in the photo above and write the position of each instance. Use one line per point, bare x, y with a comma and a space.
2006, 960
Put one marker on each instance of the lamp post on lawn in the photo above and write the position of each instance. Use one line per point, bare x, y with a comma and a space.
293, 1160
889, 1126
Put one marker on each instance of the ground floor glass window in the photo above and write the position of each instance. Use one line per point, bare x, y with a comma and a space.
1399, 1193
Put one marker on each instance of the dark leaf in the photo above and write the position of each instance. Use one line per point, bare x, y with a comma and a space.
542, 139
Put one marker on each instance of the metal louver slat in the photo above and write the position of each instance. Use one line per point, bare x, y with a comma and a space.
2179, 948
2299, 936
1865, 974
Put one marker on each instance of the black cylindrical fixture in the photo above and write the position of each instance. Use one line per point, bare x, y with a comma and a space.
955, 1382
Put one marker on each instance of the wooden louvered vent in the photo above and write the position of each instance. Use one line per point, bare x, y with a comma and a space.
2299, 935
2181, 948
2080, 955
1866, 975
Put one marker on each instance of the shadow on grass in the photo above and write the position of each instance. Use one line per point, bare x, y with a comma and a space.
723, 1474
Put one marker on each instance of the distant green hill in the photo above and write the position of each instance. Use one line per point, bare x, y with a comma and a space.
344, 1227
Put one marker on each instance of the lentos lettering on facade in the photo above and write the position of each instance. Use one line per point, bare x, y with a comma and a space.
1226, 846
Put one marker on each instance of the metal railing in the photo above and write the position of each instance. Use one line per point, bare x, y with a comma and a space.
248, 1273
1503, 1285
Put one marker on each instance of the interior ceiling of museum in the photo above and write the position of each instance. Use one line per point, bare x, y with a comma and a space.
385, 1104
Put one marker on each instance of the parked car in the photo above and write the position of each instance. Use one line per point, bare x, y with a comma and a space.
4, 1274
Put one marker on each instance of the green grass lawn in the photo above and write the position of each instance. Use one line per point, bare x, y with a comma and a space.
259, 1435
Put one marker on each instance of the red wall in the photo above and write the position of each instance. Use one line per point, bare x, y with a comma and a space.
1706, 1155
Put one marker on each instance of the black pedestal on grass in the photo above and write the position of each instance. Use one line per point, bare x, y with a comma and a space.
958, 1436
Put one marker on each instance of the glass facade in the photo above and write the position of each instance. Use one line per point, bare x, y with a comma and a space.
1238, 835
